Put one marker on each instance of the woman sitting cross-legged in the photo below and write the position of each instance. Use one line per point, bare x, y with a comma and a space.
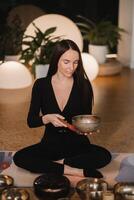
64, 93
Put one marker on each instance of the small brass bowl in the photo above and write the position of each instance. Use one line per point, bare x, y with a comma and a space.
5, 181
14, 193
86, 123
91, 188
124, 190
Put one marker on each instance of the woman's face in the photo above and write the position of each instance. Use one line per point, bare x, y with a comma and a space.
68, 63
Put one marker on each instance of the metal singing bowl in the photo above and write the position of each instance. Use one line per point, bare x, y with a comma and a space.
14, 194
51, 186
5, 181
124, 190
91, 188
86, 123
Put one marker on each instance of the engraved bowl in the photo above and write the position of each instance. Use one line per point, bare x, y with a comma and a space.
86, 123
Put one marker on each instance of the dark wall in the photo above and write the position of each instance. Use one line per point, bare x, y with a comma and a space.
94, 9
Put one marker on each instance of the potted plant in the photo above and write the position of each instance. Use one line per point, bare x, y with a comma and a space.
38, 49
102, 36
11, 39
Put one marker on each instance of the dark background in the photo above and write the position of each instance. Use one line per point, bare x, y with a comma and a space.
95, 10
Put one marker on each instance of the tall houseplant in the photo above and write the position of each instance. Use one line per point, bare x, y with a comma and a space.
101, 36
11, 37
38, 49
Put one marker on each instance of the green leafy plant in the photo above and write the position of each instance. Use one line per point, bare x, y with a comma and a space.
101, 33
11, 37
38, 48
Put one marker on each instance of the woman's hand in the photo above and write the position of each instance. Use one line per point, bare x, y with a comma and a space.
54, 119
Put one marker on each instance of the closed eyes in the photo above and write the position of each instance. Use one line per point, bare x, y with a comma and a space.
67, 61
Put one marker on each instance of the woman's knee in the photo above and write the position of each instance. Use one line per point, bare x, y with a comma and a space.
106, 157
18, 158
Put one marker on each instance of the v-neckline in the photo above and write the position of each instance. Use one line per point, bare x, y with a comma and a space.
53, 93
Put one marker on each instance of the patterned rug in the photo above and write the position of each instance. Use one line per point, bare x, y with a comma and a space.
120, 169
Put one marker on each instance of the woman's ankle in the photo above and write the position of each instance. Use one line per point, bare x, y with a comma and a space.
59, 161
73, 171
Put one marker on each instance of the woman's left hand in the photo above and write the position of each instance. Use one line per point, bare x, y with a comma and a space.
55, 119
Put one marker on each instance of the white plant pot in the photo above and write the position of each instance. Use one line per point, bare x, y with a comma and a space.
41, 70
99, 52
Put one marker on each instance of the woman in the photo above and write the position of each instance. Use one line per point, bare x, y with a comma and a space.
64, 93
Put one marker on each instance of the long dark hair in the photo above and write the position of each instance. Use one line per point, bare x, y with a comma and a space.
60, 48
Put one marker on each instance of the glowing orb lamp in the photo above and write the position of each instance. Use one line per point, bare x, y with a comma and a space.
25, 17
14, 75
66, 28
90, 65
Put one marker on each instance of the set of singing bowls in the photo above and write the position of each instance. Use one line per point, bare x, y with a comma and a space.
14, 194
7, 192
86, 123
91, 188
124, 191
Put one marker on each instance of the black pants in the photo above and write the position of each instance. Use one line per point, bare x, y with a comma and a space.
37, 159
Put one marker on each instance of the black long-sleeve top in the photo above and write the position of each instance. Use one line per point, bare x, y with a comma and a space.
43, 101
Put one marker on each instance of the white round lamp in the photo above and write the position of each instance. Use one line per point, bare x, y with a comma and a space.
66, 28
14, 75
25, 17
90, 65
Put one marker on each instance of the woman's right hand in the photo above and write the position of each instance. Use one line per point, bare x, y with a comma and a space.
54, 119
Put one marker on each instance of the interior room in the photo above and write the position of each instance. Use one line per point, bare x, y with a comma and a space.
112, 80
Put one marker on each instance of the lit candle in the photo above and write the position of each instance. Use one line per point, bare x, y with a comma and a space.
108, 195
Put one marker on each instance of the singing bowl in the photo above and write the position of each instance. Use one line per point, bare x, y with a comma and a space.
5, 181
91, 188
86, 123
51, 186
124, 190
14, 194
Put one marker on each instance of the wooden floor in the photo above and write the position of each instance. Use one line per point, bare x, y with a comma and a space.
114, 103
